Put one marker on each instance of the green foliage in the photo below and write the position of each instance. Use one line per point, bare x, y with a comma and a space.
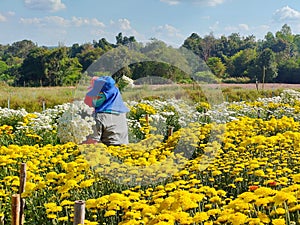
34, 99
236, 80
206, 77
217, 67
23, 63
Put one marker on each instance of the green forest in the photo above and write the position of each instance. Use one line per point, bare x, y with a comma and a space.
233, 58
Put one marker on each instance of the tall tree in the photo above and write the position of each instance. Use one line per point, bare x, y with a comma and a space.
217, 67
124, 40
21, 48
267, 66
31, 71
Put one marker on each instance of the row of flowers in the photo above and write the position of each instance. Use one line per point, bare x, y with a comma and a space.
72, 122
253, 178
232, 164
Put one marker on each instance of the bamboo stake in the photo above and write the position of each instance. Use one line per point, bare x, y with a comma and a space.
147, 119
21, 190
15, 220
79, 212
2, 220
170, 131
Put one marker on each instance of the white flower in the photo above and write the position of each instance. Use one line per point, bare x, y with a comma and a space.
76, 123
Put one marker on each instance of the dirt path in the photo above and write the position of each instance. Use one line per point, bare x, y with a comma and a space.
261, 86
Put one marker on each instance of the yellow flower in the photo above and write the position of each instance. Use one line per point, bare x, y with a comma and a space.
278, 222
51, 216
238, 218
65, 218
71, 183
282, 196
183, 218
253, 221
200, 217
51, 175
66, 202
110, 213
216, 173
215, 199
164, 217
259, 173
87, 222
263, 217
296, 178
263, 201
278, 211
91, 203
87, 183
238, 179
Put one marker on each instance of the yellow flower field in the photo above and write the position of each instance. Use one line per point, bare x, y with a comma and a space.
244, 171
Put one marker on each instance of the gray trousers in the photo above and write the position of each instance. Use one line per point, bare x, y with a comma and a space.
110, 129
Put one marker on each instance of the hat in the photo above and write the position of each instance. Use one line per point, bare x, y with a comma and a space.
101, 84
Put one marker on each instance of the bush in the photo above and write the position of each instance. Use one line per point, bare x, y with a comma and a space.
236, 80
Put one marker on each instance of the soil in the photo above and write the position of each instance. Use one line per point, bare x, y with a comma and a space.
261, 86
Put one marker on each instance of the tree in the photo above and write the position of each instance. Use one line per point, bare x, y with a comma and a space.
3, 72
21, 48
3, 67
217, 67
238, 64
208, 45
193, 43
70, 72
289, 72
88, 56
31, 71
60, 69
103, 44
124, 40
267, 66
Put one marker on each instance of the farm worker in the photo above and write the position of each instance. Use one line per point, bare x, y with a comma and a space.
88, 100
110, 113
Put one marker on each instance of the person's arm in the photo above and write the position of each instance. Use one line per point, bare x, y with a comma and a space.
89, 141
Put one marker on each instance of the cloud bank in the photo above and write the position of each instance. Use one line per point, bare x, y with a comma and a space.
45, 5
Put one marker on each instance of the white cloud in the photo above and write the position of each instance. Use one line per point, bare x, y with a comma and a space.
167, 31
46, 21
62, 22
212, 2
215, 26
78, 21
30, 21
2, 18
286, 14
243, 26
11, 13
47, 5
169, 34
240, 28
202, 2
121, 24
171, 2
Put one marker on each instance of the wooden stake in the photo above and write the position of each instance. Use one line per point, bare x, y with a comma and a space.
21, 190
170, 131
22, 178
147, 119
79, 212
2, 220
15, 205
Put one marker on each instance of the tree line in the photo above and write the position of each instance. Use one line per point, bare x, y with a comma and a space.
231, 58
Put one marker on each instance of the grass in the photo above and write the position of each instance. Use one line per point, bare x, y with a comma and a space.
36, 99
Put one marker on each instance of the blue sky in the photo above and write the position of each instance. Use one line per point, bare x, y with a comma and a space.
49, 22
